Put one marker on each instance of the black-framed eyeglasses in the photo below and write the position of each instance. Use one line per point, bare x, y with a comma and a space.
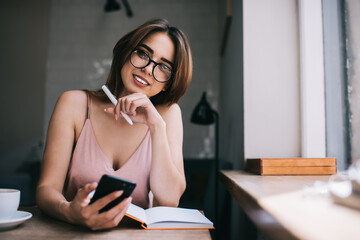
161, 72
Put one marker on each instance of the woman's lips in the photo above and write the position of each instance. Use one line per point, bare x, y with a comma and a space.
140, 81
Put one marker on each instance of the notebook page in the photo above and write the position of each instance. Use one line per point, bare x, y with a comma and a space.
137, 212
161, 214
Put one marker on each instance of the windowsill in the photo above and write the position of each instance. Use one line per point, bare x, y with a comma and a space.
281, 209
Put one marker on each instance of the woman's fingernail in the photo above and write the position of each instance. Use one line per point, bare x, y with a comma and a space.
91, 194
104, 109
119, 193
116, 117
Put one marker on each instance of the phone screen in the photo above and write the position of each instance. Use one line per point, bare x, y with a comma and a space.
109, 184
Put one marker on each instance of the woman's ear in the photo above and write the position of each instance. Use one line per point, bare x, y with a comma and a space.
164, 89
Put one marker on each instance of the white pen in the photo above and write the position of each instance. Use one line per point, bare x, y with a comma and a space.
114, 101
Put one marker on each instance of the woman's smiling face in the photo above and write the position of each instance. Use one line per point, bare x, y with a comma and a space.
160, 49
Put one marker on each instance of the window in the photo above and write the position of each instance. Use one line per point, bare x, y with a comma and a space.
342, 83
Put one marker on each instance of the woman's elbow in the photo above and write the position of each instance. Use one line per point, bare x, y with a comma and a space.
169, 202
173, 201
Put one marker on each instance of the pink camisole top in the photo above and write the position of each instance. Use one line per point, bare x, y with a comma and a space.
89, 163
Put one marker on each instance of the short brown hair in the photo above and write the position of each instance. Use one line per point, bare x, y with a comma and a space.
177, 85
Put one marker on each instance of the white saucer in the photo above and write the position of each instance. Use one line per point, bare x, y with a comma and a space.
18, 218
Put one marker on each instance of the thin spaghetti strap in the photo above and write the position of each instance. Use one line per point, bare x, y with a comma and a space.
88, 106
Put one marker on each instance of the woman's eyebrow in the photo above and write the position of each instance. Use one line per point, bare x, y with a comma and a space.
147, 48
152, 52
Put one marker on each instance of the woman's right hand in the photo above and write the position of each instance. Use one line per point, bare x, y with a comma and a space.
81, 212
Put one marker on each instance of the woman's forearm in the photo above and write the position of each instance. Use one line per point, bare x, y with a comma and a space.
166, 180
53, 203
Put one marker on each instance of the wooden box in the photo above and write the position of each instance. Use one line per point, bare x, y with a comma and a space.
291, 166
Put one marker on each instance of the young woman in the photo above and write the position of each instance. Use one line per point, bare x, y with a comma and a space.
88, 137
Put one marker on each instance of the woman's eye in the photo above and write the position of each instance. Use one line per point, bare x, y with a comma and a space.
164, 68
142, 54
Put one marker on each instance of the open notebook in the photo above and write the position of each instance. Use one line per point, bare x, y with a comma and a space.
169, 218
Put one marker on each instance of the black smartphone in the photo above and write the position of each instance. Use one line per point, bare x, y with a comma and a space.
109, 184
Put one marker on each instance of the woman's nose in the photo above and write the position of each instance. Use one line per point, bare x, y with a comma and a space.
149, 68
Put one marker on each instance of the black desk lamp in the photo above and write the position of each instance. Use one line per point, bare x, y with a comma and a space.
203, 114
113, 5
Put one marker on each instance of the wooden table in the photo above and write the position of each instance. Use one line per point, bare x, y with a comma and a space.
282, 209
40, 226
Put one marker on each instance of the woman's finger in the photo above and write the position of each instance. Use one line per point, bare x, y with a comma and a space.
89, 188
117, 110
141, 102
122, 104
102, 202
127, 100
82, 195
112, 217
128, 103
122, 213
113, 212
132, 102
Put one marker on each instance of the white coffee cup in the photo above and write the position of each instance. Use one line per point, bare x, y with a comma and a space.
9, 203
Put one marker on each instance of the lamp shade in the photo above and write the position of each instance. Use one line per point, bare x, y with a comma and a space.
111, 5
203, 113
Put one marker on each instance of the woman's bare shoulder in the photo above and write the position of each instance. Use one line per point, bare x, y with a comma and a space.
169, 112
73, 96
73, 102
166, 109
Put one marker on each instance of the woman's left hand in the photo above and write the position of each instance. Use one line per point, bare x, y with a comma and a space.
139, 108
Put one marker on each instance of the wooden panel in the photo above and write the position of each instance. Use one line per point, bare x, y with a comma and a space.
299, 162
298, 170
292, 166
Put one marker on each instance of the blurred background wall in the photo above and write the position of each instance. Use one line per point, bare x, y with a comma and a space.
23, 56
